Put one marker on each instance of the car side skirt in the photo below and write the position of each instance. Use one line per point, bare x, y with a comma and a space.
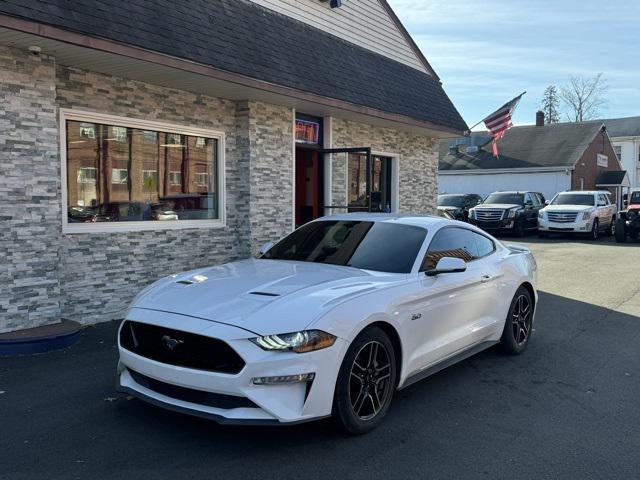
458, 357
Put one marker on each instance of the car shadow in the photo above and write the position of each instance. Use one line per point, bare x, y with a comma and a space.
62, 417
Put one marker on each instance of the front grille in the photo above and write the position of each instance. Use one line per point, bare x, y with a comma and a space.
178, 348
489, 215
190, 395
562, 217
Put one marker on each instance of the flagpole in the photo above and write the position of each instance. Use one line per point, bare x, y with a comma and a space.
468, 132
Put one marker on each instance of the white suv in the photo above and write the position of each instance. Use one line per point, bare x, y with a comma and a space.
588, 212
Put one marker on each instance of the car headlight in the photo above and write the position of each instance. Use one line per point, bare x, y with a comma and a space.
513, 212
541, 214
299, 342
587, 215
472, 213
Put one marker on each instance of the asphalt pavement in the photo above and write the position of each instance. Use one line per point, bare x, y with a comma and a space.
568, 408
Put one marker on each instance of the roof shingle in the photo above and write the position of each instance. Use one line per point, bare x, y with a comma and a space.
242, 37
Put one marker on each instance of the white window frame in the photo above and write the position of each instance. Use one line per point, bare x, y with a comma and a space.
112, 120
120, 181
171, 174
95, 174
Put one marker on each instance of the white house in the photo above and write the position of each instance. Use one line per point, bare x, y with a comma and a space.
625, 136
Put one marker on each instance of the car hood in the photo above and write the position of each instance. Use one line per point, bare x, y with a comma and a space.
262, 296
504, 206
565, 208
448, 207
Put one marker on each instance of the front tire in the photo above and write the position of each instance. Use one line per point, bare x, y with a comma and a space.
519, 229
519, 323
595, 230
366, 382
620, 231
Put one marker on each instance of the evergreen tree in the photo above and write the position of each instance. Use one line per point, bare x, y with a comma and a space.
551, 105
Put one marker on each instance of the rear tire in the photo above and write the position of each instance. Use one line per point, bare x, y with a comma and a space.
612, 228
366, 382
519, 323
620, 231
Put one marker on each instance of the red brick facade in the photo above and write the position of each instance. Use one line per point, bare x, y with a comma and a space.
586, 167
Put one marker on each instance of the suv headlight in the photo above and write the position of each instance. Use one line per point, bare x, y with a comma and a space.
540, 214
513, 212
472, 213
299, 342
587, 215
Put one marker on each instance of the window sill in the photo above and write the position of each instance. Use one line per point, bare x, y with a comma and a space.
120, 227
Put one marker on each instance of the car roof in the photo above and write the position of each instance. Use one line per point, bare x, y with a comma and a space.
586, 192
425, 221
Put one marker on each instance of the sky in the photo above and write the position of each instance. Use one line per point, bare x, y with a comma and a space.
488, 51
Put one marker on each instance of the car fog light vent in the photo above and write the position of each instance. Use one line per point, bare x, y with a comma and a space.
283, 379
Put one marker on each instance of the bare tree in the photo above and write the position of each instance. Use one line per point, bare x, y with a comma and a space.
584, 97
551, 105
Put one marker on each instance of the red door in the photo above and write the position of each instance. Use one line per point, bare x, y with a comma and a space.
307, 186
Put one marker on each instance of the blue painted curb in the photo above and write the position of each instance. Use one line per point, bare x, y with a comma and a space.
41, 344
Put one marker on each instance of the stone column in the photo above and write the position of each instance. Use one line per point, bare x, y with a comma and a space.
30, 202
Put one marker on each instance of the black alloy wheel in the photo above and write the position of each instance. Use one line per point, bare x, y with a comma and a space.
519, 323
366, 382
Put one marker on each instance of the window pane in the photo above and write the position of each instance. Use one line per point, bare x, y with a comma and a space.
117, 173
359, 174
375, 246
484, 245
451, 242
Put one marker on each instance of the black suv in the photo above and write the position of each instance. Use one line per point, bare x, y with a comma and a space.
514, 212
457, 205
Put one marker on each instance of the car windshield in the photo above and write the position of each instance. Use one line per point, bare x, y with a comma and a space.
635, 197
450, 200
574, 199
508, 198
383, 247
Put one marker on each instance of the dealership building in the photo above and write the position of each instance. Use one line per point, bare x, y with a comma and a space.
153, 137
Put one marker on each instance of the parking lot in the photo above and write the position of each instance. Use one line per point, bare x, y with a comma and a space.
567, 408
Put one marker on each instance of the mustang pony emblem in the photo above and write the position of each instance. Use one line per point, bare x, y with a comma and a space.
171, 343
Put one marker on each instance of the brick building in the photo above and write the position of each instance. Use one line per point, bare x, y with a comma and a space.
137, 143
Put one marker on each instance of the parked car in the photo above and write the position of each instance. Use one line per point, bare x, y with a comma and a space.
585, 212
331, 320
514, 212
132, 212
458, 205
628, 222
192, 206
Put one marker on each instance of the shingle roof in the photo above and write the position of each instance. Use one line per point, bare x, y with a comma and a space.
242, 37
558, 145
623, 127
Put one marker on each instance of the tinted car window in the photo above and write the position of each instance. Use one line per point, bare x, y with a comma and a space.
485, 245
451, 200
574, 199
508, 198
384, 247
451, 242
635, 197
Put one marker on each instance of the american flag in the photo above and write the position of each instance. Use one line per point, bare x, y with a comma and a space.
500, 121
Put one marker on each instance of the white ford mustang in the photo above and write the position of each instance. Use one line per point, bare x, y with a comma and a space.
331, 320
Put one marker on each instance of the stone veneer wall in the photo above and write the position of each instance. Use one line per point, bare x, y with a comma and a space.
92, 277
29, 192
417, 157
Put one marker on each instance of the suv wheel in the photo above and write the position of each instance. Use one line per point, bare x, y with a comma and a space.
620, 231
595, 230
612, 227
366, 382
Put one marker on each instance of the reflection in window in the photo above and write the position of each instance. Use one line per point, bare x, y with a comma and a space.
359, 174
117, 173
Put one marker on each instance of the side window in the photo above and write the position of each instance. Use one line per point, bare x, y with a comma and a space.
484, 245
602, 199
451, 242
535, 199
541, 198
528, 199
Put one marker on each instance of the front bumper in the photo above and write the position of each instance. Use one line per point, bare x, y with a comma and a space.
579, 226
237, 399
497, 225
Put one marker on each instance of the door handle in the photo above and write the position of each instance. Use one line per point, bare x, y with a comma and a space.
485, 278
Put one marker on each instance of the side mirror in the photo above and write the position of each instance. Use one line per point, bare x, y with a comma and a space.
547, 202
265, 248
448, 265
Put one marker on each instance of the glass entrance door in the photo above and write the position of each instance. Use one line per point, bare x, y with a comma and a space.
369, 183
